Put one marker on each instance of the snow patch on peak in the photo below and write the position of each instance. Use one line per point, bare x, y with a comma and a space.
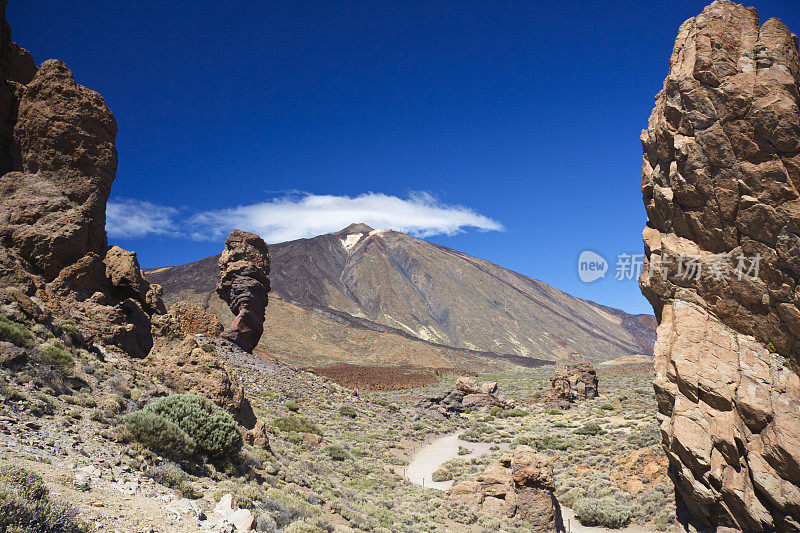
349, 241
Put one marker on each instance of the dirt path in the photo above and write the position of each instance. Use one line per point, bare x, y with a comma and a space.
430, 456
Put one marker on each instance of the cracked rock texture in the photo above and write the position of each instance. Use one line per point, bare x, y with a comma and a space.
520, 485
720, 180
572, 383
244, 286
58, 161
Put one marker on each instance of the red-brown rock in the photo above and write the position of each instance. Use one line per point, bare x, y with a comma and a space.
244, 286
721, 186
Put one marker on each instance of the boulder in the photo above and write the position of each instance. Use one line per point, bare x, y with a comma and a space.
572, 383
188, 368
244, 286
519, 486
193, 320
468, 393
721, 187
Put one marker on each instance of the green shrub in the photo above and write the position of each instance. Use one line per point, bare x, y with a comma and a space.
292, 406
183, 425
160, 435
418, 426
464, 451
605, 512
213, 430
550, 442
71, 330
337, 452
56, 356
475, 433
589, 428
442, 474
25, 505
297, 424
348, 411
554, 411
607, 407
517, 412
15, 333
28, 484
496, 410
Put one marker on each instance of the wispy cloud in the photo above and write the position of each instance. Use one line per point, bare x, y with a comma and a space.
127, 218
294, 216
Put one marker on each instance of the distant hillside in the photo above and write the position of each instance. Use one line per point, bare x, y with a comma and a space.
387, 281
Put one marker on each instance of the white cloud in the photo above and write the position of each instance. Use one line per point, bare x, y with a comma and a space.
127, 218
308, 215
297, 215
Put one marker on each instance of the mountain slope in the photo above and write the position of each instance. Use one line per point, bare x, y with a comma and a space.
389, 281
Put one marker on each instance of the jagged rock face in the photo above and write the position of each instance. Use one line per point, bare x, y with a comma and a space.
58, 161
193, 320
520, 485
572, 383
720, 181
244, 286
467, 394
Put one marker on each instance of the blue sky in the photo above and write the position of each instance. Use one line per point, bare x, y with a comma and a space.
507, 130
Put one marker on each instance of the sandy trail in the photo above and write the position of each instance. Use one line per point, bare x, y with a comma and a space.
431, 455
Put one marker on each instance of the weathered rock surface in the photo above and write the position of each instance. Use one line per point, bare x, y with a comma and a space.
721, 182
58, 161
193, 320
467, 394
520, 485
571, 383
244, 286
187, 367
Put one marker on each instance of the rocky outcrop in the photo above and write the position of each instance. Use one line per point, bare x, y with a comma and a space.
244, 286
520, 485
58, 161
571, 383
193, 320
468, 394
186, 366
721, 186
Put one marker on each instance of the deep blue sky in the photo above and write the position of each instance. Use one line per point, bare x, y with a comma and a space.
526, 112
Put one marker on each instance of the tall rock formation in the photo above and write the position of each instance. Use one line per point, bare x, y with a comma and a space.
721, 182
244, 286
58, 161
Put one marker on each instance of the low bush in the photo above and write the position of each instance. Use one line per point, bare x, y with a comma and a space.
25, 505
464, 451
607, 407
517, 412
348, 411
57, 357
182, 425
442, 474
554, 411
71, 330
418, 426
297, 424
603, 512
337, 452
15, 333
475, 433
292, 406
589, 428
496, 410
550, 442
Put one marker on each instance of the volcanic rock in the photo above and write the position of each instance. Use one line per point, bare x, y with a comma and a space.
58, 161
721, 186
467, 394
244, 286
193, 320
572, 383
520, 485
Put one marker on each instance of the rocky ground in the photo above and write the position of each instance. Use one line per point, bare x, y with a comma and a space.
336, 458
